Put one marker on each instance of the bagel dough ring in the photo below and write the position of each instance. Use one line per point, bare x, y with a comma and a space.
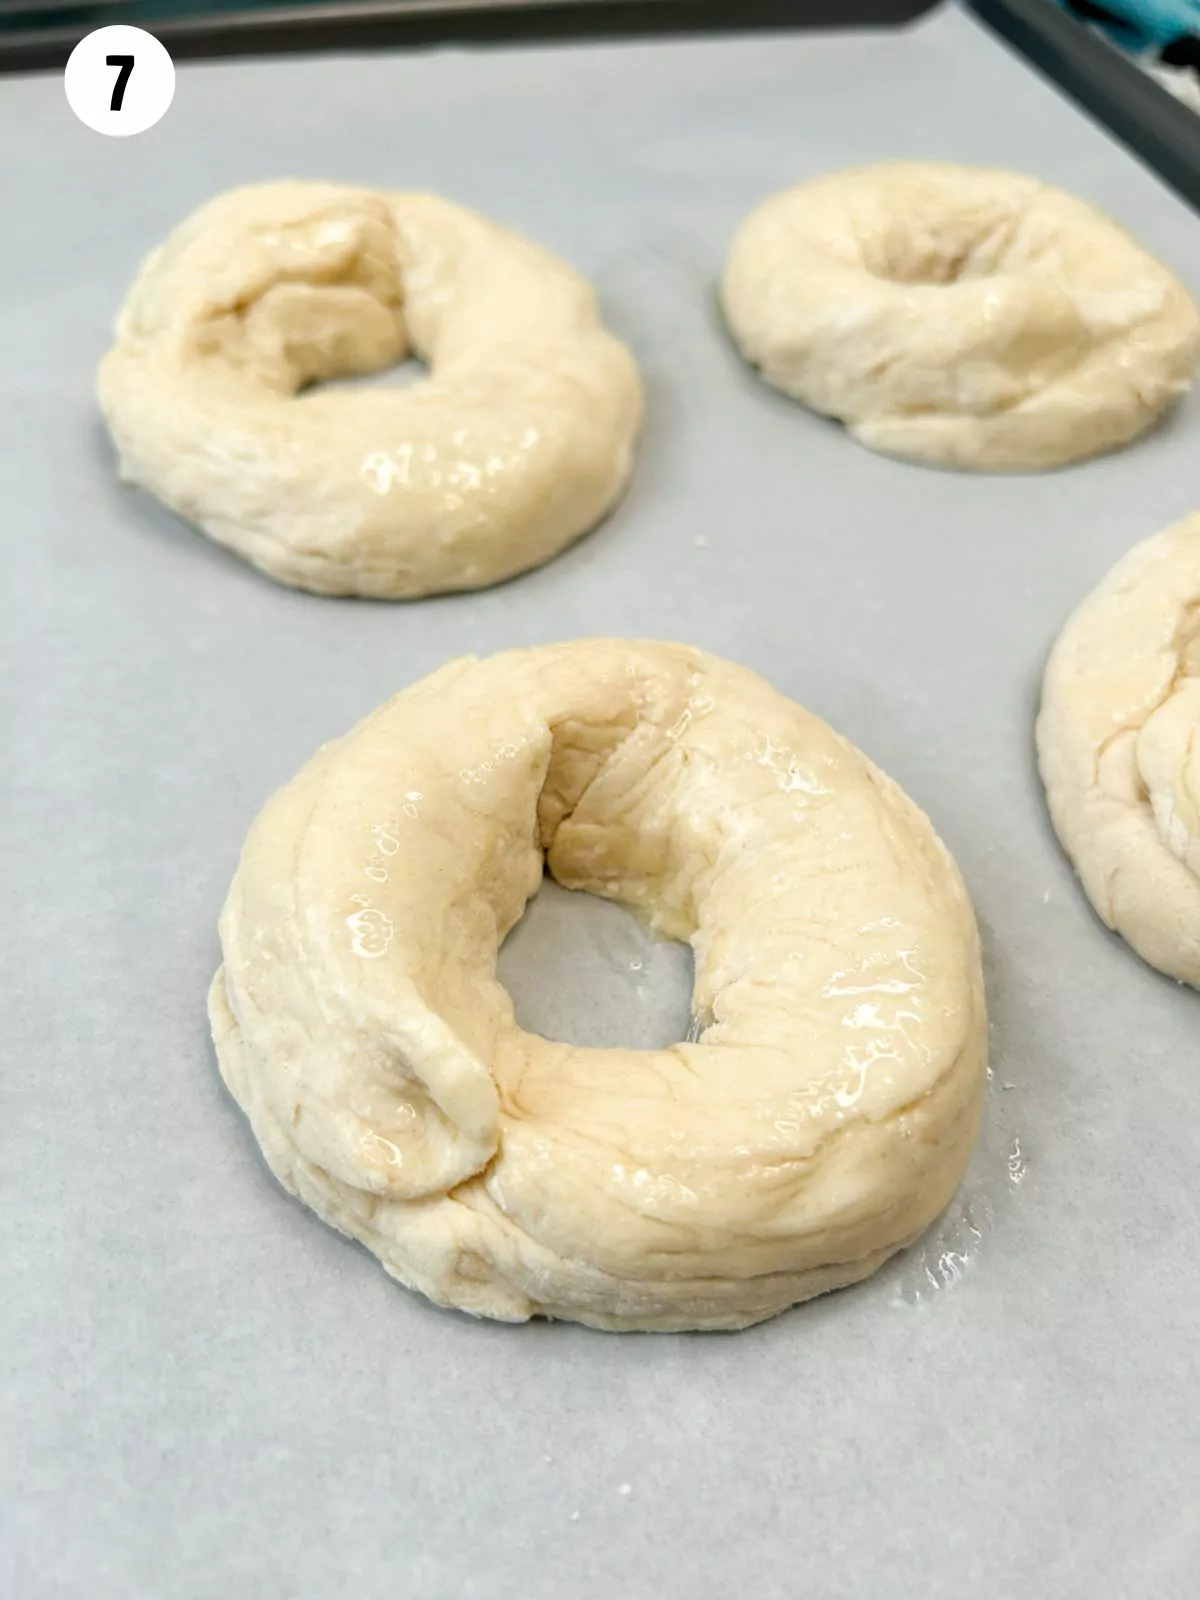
959, 315
820, 1123
518, 442
1119, 748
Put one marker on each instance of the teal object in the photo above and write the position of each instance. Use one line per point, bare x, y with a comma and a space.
1141, 24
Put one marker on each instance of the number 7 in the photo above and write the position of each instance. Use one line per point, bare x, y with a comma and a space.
126, 65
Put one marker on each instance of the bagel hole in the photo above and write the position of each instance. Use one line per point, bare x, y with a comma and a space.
939, 252
584, 971
402, 375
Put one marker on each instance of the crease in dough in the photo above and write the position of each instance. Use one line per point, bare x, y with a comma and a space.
820, 1121
959, 316
1118, 739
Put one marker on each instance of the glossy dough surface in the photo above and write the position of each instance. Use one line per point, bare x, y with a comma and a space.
959, 315
519, 441
822, 1119
1119, 748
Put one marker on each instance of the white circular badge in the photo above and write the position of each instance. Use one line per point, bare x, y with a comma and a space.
119, 80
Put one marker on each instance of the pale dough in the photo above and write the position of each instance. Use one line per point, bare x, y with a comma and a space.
959, 315
1119, 748
820, 1123
519, 441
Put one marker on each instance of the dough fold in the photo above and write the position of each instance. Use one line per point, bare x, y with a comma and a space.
519, 441
960, 316
820, 1122
1119, 748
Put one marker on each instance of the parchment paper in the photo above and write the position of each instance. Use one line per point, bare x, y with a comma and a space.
210, 1395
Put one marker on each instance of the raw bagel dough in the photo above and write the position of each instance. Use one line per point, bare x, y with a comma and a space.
520, 440
959, 315
820, 1123
1119, 748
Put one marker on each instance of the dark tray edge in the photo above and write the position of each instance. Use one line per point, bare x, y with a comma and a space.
374, 24
1165, 133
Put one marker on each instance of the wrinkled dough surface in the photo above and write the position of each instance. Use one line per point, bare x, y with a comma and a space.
820, 1123
1119, 748
520, 439
959, 315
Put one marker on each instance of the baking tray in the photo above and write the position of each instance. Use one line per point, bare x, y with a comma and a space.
1107, 83
42, 33
209, 1394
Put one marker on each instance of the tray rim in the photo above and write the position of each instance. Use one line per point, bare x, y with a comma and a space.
342, 25
1106, 84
